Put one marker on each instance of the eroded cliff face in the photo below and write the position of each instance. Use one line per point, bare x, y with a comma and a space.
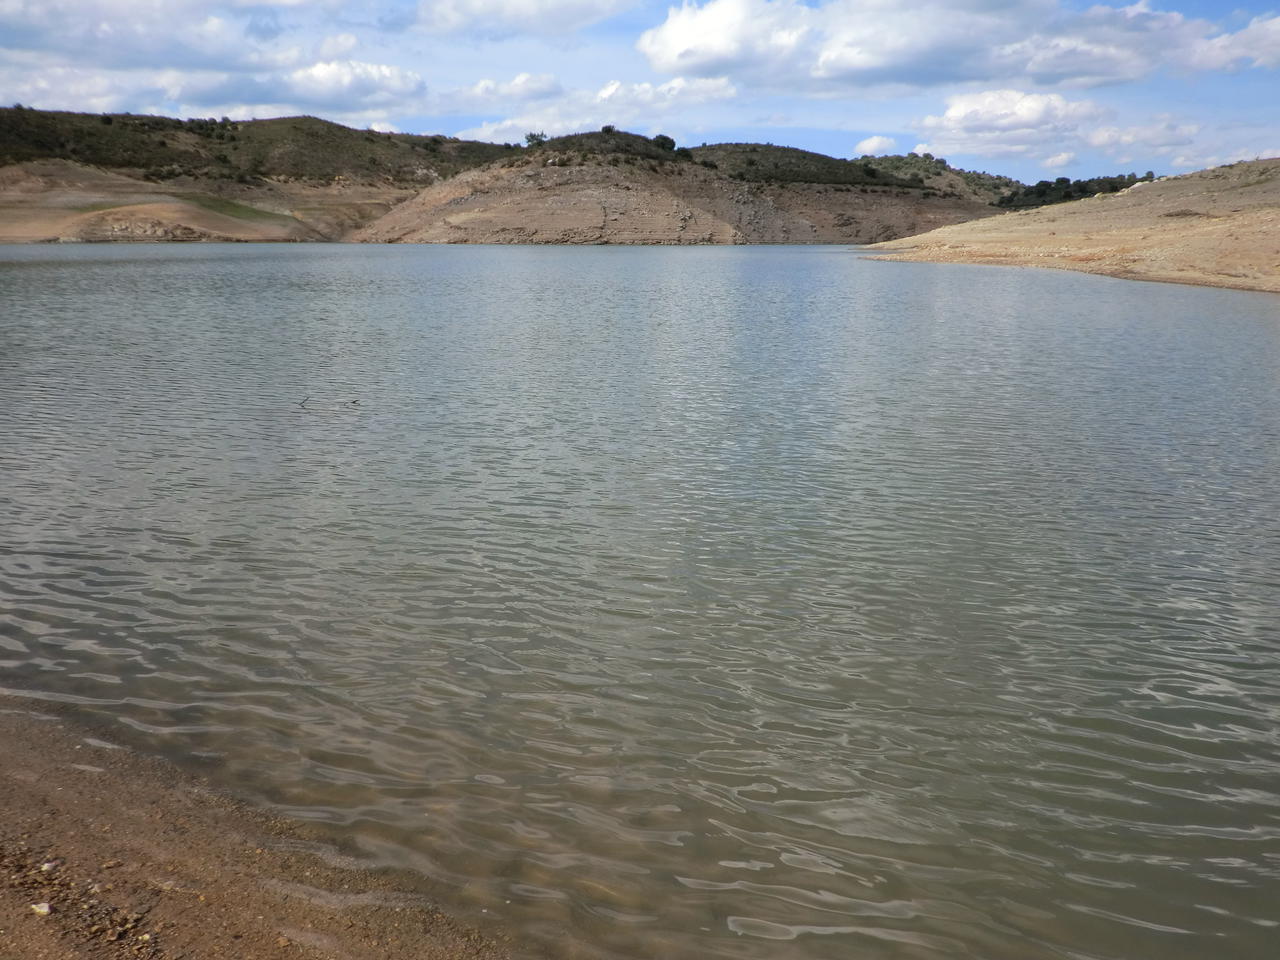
565, 198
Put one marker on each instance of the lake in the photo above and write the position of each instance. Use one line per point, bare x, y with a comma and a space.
719, 602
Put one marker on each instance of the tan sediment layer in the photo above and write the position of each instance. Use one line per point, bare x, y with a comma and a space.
553, 198
1218, 227
105, 855
544, 198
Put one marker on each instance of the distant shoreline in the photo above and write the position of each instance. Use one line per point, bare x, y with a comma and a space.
1032, 262
111, 854
904, 250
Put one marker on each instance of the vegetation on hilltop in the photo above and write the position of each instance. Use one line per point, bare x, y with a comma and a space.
310, 149
987, 186
300, 148
610, 141
767, 163
1064, 189
764, 162
924, 172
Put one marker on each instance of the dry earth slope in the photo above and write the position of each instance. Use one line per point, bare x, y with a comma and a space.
1218, 227
564, 197
89, 177
75, 176
44, 201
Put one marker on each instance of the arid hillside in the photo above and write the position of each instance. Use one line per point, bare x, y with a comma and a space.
61, 200
88, 177
1219, 227
560, 196
80, 176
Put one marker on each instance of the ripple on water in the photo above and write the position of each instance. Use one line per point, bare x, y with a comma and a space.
717, 603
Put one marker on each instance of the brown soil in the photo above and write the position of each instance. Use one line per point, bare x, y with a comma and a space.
58, 200
1217, 227
543, 198
551, 198
107, 855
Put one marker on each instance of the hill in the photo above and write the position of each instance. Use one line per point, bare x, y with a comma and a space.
766, 163
121, 177
1063, 189
620, 188
297, 148
1219, 227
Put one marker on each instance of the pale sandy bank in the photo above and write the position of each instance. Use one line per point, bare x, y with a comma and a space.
1218, 227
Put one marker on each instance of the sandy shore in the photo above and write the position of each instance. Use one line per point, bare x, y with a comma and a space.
107, 854
1217, 227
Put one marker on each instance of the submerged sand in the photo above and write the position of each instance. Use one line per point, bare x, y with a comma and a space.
1217, 227
107, 854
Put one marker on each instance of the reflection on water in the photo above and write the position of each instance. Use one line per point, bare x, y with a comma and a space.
683, 603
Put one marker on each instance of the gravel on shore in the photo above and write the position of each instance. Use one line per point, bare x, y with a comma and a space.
106, 854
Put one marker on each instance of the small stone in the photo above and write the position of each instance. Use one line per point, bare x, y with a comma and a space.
50, 865
41, 909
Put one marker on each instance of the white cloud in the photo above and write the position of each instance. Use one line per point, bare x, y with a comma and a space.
53, 87
127, 34
1055, 132
336, 45
1160, 138
641, 106
841, 43
629, 96
505, 17
1198, 159
730, 36
346, 81
523, 86
874, 145
1257, 44
1008, 122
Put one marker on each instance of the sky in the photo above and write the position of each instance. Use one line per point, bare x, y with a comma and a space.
1032, 89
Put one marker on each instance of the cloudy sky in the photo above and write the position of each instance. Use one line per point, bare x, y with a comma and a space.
1031, 88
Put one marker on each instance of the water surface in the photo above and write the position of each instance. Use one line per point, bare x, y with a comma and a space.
651, 602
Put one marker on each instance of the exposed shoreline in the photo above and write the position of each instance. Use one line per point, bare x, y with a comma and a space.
1213, 228
1217, 228
1188, 278
110, 854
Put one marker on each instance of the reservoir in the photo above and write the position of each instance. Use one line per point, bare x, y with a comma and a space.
714, 602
